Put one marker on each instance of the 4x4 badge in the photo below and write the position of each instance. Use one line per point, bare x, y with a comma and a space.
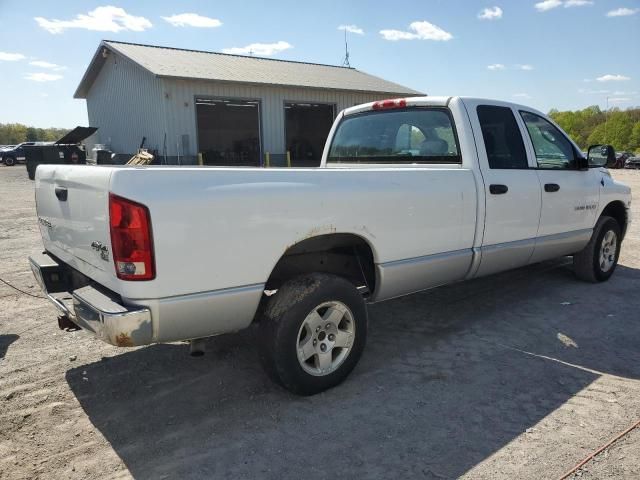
102, 249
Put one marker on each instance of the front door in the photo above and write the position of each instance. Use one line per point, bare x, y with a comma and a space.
569, 196
512, 189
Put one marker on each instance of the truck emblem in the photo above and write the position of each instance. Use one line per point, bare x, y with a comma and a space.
102, 249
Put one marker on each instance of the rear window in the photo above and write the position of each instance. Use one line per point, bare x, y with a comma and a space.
408, 136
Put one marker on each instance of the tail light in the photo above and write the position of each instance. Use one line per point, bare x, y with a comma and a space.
388, 104
131, 239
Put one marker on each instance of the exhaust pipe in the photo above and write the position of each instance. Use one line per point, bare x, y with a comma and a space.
196, 347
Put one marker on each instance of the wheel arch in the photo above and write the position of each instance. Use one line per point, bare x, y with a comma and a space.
618, 212
344, 254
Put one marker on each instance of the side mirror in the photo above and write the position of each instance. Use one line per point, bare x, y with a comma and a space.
601, 155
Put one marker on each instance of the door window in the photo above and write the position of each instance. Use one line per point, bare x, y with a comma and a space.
553, 149
502, 138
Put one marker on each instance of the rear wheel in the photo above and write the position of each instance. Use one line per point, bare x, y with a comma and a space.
312, 333
598, 260
9, 161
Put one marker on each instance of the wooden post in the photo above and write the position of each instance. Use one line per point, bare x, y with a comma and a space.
266, 160
288, 159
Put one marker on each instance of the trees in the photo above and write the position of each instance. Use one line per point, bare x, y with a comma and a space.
14, 133
590, 126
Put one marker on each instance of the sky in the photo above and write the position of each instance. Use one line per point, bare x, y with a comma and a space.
564, 54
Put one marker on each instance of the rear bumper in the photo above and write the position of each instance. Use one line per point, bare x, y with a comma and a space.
91, 308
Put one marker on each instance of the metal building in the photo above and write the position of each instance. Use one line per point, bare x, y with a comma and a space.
230, 109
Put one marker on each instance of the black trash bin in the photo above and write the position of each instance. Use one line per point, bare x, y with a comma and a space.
67, 150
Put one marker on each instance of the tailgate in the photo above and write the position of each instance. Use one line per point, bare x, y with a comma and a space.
73, 214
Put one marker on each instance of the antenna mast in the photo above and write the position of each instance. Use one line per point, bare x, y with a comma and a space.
345, 62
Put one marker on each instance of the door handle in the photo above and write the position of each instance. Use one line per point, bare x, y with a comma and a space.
498, 189
61, 193
551, 187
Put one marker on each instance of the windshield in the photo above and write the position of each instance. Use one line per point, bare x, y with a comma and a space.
408, 136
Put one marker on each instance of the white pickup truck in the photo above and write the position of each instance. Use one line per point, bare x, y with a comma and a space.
411, 194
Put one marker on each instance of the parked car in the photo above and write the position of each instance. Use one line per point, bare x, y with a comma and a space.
12, 155
620, 159
410, 194
632, 162
17, 153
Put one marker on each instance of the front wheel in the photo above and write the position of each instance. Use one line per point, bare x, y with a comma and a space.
312, 332
598, 260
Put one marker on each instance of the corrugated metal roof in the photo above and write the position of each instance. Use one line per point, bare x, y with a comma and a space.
192, 64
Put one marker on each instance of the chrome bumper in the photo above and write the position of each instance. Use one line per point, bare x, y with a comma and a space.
91, 309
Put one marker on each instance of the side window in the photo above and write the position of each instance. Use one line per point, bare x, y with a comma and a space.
502, 139
552, 148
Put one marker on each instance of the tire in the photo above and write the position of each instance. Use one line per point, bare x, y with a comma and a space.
598, 260
9, 161
318, 317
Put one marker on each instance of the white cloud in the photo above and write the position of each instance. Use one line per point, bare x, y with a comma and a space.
521, 95
42, 64
11, 57
619, 99
496, 66
547, 5
491, 13
102, 19
261, 49
551, 4
352, 29
419, 31
42, 77
577, 3
192, 20
623, 12
524, 66
612, 78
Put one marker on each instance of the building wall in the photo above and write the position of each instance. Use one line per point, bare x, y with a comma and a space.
180, 113
126, 103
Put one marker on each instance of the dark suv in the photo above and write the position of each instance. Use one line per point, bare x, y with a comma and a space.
13, 155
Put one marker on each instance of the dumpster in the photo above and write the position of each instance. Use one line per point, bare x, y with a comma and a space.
66, 150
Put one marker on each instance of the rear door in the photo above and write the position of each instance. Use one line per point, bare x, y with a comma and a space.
73, 213
512, 189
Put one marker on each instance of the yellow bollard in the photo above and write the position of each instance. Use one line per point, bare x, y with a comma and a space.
200, 159
266, 160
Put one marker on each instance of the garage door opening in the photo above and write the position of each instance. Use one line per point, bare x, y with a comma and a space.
228, 131
307, 126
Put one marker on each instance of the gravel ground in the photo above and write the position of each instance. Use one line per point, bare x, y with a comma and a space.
518, 375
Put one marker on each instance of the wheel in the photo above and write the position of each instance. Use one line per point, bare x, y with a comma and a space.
598, 260
9, 161
312, 332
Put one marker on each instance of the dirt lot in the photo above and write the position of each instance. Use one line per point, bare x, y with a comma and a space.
520, 375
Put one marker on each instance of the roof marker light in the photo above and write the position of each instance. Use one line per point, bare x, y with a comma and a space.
390, 103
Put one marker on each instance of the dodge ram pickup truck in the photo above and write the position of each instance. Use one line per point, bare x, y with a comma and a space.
410, 194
